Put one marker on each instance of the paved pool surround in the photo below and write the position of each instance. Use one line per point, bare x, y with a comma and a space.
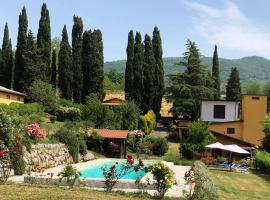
127, 185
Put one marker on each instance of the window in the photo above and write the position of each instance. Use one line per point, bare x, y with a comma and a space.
256, 98
8, 96
219, 111
230, 130
18, 99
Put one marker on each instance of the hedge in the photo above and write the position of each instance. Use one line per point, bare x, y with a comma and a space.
262, 159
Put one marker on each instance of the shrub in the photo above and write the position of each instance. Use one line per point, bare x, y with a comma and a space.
43, 93
68, 113
95, 142
200, 183
71, 174
163, 176
206, 158
112, 120
147, 122
197, 138
70, 134
262, 159
266, 140
35, 132
160, 146
130, 115
68, 103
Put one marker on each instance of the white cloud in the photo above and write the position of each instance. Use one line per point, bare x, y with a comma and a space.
230, 28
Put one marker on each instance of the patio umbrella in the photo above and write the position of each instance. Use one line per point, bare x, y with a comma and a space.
216, 145
235, 148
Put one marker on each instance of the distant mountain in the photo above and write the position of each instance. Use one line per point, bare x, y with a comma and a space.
252, 68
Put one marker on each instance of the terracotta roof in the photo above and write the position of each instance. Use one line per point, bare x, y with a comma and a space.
112, 104
114, 95
108, 133
6, 90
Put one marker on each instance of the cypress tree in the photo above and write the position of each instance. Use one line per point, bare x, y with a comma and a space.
148, 75
44, 40
7, 60
77, 31
233, 88
86, 63
129, 76
138, 71
96, 64
21, 46
215, 74
54, 70
159, 71
65, 67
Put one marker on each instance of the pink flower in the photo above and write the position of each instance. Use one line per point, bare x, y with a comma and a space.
2, 154
141, 163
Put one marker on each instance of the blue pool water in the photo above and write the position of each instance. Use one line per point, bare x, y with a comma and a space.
95, 171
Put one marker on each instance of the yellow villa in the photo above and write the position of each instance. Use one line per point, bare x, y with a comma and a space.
8, 96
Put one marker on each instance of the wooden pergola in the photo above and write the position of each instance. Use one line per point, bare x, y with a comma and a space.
114, 138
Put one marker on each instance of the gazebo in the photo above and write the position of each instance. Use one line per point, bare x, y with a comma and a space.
115, 142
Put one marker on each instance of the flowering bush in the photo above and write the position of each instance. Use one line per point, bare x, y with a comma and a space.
206, 158
5, 163
164, 178
35, 132
113, 173
200, 183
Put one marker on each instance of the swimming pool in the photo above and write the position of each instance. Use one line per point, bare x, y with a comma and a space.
95, 171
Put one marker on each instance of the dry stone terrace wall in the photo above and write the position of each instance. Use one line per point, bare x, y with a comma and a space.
48, 155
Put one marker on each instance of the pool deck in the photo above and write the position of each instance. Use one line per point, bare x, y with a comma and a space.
124, 185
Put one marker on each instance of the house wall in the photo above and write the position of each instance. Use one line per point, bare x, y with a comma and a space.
8, 98
254, 110
207, 111
222, 128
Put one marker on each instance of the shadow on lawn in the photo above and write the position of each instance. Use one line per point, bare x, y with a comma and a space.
266, 177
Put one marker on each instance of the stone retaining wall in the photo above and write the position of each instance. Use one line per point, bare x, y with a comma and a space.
48, 155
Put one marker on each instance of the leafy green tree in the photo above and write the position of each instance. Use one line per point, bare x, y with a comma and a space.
159, 71
266, 91
148, 75
254, 88
77, 40
54, 70
129, 77
130, 115
21, 47
7, 60
138, 87
116, 77
189, 88
42, 92
215, 73
266, 140
197, 138
233, 88
65, 67
44, 41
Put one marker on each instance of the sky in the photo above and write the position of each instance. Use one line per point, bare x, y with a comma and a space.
239, 27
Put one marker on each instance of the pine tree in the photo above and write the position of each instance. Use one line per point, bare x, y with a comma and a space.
44, 40
215, 74
21, 47
7, 60
77, 40
96, 64
129, 76
233, 88
54, 70
159, 71
148, 75
33, 65
138, 71
65, 67
86, 64
189, 88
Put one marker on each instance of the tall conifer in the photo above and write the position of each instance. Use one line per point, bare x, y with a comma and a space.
215, 73
86, 63
21, 46
54, 70
138, 71
148, 75
159, 71
7, 60
77, 40
44, 40
129, 76
65, 67
233, 88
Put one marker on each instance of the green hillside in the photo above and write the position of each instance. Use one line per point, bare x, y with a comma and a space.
251, 68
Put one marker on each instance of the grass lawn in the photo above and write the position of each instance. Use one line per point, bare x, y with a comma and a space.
236, 185
34, 192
